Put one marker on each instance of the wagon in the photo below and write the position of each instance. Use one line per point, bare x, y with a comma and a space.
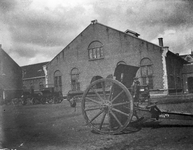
42, 97
111, 105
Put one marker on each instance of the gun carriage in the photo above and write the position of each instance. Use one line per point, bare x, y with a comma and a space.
110, 105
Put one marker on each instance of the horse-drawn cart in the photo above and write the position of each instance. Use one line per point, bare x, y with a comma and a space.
111, 105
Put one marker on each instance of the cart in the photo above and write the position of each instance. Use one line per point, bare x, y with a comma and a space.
111, 105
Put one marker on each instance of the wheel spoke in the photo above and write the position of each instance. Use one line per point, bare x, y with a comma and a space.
117, 96
120, 112
100, 112
93, 100
102, 120
103, 87
118, 104
116, 118
98, 95
111, 93
94, 108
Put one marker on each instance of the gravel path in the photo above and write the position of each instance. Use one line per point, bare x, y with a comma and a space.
58, 127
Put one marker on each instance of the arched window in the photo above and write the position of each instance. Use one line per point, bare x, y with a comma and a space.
75, 84
41, 86
95, 50
190, 84
147, 72
58, 81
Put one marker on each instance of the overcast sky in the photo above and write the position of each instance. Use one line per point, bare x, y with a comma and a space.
33, 31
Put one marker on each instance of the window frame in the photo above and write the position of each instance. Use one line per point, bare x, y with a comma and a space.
74, 76
58, 80
95, 52
146, 71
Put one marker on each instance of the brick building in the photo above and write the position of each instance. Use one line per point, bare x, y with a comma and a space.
34, 77
188, 73
97, 50
175, 65
10, 77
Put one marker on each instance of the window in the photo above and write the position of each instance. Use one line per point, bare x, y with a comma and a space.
58, 81
23, 73
31, 85
95, 50
75, 85
178, 82
147, 72
1, 67
41, 86
171, 81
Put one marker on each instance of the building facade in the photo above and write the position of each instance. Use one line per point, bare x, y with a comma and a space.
188, 73
34, 77
96, 52
175, 65
10, 77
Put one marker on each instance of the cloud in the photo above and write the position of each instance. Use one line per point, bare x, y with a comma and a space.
7, 5
32, 28
152, 19
42, 28
36, 32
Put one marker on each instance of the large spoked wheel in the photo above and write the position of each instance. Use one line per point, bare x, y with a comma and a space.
107, 106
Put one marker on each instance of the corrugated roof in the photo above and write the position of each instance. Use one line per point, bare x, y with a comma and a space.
33, 71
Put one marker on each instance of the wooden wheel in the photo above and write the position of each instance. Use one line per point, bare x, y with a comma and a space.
107, 106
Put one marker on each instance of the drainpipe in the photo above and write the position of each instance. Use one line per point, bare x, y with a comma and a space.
164, 54
165, 75
46, 75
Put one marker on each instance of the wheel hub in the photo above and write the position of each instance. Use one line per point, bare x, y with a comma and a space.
107, 105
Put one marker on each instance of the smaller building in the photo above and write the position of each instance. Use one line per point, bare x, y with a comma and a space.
188, 73
10, 77
175, 65
34, 77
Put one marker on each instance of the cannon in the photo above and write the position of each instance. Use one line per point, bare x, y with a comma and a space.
110, 105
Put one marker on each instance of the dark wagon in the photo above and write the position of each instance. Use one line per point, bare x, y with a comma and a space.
111, 105
46, 96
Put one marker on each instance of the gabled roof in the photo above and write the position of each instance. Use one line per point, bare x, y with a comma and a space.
96, 23
5, 55
178, 57
188, 57
33, 71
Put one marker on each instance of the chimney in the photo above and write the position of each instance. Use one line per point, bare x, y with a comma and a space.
161, 42
132, 33
166, 48
94, 21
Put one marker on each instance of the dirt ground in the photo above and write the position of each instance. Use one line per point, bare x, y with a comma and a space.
58, 127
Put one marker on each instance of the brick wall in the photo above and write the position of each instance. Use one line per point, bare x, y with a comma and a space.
117, 46
10, 73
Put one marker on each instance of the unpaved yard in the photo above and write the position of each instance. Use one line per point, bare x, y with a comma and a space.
57, 126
